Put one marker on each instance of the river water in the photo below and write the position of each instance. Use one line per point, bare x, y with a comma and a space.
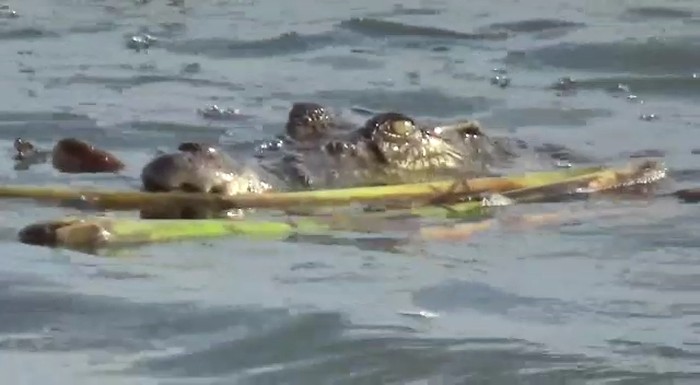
602, 300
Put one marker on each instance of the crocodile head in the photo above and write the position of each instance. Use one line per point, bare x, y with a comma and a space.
394, 144
308, 121
197, 168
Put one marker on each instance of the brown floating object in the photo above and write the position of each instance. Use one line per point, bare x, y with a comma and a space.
70, 232
691, 195
41, 234
71, 155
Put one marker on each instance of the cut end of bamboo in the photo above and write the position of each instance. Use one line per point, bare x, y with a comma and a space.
691, 195
64, 233
43, 233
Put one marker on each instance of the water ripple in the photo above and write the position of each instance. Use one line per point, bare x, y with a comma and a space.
542, 116
534, 25
383, 28
424, 102
662, 85
26, 33
323, 347
284, 44
647, 13
122, 83
455, 295
678, 55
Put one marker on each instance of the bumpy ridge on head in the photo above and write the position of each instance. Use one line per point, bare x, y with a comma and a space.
307, 120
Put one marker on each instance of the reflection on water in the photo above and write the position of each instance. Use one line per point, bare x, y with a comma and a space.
602, 300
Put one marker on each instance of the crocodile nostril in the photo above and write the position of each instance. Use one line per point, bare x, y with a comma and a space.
152, 186
216, 190
190, 147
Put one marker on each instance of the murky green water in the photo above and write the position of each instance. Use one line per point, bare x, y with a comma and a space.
605, 300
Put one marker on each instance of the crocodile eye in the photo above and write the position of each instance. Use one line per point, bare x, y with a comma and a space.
400, 127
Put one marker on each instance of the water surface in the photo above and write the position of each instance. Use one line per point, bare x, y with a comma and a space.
604, 300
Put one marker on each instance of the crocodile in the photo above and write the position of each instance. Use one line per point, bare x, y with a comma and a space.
318, 151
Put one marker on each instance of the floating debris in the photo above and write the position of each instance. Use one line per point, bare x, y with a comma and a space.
7, 13
564, 86
632, 98
140, 42
499, 70
563, 164
419, 313
413, 77
649, 117
191, 68
619, 88
24, 149
501, 81
217, 113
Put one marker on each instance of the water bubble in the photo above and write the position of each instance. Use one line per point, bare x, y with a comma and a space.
649, 117
140, 42
501, 81
217, 113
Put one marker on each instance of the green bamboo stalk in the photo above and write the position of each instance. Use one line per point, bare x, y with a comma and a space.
596, 181
134, 200
98, 232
